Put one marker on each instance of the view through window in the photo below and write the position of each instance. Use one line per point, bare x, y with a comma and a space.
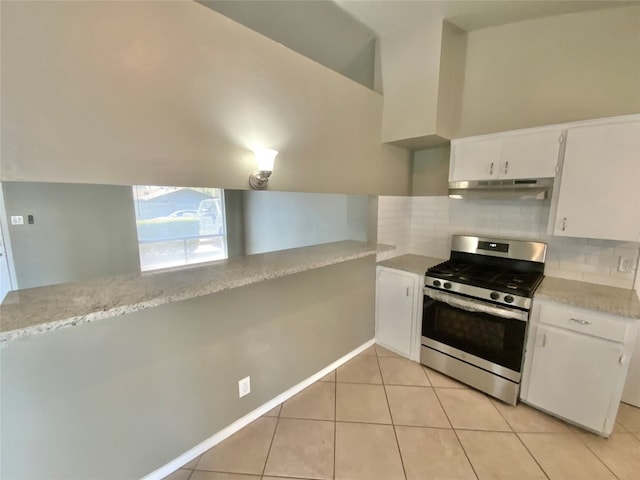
179, 225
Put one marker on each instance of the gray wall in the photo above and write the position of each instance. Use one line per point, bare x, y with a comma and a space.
430, 172
318, 29
234, 215
118, 398
282, 220
80, 232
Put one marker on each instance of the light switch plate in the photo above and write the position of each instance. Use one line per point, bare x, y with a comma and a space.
17, 220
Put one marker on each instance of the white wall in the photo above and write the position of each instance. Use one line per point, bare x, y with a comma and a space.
282, 220
321, 31
451, 80
410, 62
173, 93
432, 221
551, 70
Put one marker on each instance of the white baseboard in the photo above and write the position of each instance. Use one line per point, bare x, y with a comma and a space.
202, 447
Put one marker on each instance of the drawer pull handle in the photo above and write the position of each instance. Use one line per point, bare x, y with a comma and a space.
407, 291
491, 169
544, 339
581, 322
564, 224
506, 167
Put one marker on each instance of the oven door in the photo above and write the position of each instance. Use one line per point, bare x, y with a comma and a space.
488, 336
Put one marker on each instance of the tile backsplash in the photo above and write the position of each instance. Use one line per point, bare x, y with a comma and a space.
424, 225
394, 224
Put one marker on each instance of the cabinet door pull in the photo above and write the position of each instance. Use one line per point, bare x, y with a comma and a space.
581, 322
544, 339
621, 360
491, 169
506, 166
407, 291
564, 223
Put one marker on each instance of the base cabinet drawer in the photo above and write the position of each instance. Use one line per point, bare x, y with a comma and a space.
583, 321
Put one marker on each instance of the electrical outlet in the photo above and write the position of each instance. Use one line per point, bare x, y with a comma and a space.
17, 220
244, 386
625, 264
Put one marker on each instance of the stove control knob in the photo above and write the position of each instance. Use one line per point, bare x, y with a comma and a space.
509, 299
447, 285
436, 283
494, 295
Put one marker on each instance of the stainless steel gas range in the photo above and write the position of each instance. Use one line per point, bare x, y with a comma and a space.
476, 311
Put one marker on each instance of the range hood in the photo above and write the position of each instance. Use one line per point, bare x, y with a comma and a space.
521, 189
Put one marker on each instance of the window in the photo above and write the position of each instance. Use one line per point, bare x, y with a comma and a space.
179, 226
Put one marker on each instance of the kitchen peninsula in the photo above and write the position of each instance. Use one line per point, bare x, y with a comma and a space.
43, 309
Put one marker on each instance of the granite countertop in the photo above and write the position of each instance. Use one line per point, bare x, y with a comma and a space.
42, 309
417, 264
613, 300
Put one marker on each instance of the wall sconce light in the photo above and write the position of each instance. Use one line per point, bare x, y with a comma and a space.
265, 159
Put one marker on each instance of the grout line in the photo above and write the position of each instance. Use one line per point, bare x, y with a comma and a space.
395, 434
424, 371
266, 460
456, 434
234, 473
523, 444
595, 454
362, 383
325, 420
532, 456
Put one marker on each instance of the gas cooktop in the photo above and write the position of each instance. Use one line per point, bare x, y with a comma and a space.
505, 272
489, 277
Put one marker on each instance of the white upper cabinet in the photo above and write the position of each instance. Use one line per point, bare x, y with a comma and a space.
510, 155
530, 155
599, 194
475, 160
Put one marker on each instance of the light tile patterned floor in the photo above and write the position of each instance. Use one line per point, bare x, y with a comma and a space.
381, 417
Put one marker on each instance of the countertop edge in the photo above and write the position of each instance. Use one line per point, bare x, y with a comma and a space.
590, 296
74, 320
412, 263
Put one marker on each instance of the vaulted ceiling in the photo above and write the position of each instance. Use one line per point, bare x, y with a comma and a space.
388, 16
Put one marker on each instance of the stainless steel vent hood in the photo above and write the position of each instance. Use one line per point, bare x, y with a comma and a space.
521, 189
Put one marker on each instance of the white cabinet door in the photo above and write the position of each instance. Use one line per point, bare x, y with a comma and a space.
631, 392
395, 298
599, 194
506, 156
475, 160
530, 155
574, 375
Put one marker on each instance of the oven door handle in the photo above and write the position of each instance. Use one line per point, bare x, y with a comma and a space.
476, 305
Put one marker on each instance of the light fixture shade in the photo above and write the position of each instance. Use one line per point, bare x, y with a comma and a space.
265, 159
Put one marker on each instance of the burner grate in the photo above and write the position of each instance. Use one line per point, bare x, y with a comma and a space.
487, 276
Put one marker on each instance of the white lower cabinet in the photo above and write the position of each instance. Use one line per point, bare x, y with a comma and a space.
398, 311
576, 364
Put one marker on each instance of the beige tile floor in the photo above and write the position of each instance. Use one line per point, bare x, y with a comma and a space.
380, 416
